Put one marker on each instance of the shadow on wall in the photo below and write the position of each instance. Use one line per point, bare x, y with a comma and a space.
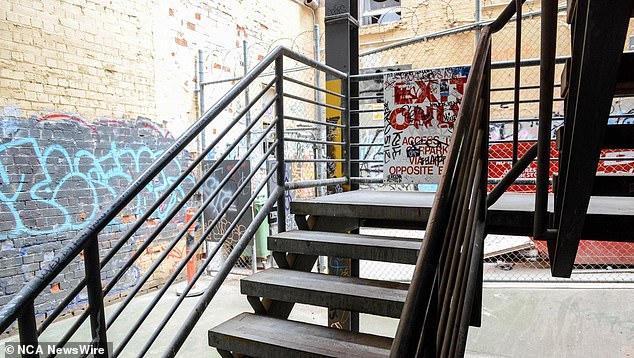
57, 172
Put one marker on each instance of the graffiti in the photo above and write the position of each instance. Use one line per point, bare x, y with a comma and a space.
71, 178
420, 109
223, 198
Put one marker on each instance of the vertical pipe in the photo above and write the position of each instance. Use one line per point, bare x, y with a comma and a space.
279, 133
201, 110
516, 92
547, 78
201, 94
345, 87
319, 173
478, 18
28, 328
95, 295
245, 66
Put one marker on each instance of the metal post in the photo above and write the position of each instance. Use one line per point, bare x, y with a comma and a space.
201, 93
547, 79
516, 92
279, 133
95, 295
201, 111
246, 89
28, 328
245, 66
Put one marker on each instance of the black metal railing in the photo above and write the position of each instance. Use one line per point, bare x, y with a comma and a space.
444, 297
269, 144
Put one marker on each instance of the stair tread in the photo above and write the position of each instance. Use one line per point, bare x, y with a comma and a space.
384, 298
366, 247
625, 77
263, 336
619, 136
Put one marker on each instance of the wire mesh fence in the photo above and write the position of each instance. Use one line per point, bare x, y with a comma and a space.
507, 258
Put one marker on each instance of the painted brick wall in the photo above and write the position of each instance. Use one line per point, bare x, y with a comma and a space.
129, 58
106, 59
57, 172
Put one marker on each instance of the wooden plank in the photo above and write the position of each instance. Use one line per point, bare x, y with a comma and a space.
364, 247
619, 136
512, 214
383, 298
625, 77
598, 57
387, 205
616, 184
263, 336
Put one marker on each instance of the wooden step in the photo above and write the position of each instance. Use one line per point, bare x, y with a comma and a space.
263, 336
572, 9
621, 184
625, 80
619, 136
364, 247
383, 298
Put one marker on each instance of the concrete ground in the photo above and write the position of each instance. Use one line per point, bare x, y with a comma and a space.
547, 320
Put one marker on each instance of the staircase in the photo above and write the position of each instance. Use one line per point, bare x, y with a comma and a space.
597, 71
444, 297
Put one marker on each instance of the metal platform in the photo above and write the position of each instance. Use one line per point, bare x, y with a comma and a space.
609, 218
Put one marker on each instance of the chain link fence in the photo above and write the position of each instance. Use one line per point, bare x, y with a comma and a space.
403, 45
507, 258
221, 69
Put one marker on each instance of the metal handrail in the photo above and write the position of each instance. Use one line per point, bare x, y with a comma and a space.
21, 307
438, 308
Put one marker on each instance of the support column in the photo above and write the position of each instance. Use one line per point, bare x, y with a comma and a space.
342, 53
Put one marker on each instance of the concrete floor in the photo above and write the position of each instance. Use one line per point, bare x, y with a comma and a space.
542, 321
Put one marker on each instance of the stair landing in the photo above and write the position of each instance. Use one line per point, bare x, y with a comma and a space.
608, 219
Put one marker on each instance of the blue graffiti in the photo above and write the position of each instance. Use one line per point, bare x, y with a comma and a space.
57, 175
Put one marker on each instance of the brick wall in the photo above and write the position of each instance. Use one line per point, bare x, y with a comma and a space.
111, 61
58, 172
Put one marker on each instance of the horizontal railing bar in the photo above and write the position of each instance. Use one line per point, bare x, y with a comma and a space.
367, 180
314, 183
265, 74
301, 129
313, 141
367, 144
367, 127
533, 87
523, 101
317, 103
367, 110
367, 160
500, 141
314, 122
510, 120
533, 62
314, 160
290, 79
148, 309
312, 63
366, 98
